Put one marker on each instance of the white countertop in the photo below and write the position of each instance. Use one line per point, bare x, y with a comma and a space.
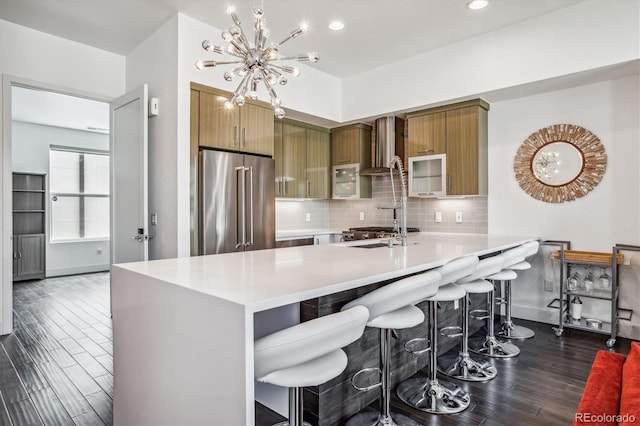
266, 279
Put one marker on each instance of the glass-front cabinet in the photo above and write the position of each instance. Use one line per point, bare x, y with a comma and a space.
428, 176
346, 181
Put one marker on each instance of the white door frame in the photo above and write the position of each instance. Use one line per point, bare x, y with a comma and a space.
6, 169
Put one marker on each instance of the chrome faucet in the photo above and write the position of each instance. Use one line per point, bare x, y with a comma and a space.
397, 163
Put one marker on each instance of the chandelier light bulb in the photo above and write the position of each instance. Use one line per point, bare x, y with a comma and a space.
255, 61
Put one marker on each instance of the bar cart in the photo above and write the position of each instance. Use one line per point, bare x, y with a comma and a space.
602, 287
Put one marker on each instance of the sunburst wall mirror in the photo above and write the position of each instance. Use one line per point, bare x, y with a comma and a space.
560, 163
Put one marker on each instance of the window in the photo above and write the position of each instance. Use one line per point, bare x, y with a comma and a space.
79, 189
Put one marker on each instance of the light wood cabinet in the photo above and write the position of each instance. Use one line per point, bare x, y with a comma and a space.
28, 226
301, 152
350, 153
318, 152
246, 129
427, 134
462, 130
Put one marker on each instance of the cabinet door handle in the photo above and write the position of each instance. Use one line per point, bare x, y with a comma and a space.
426, 151
244, 137
449, 182
235, 135
19, 255
308, 190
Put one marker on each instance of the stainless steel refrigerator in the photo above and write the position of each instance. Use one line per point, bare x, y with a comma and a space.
237, 202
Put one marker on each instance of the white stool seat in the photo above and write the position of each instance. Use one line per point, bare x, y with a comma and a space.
448, 293
307, 354
311, 373
406, 317
477, 286
521, 266
504, 275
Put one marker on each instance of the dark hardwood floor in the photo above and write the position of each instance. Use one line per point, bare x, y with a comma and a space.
57, 367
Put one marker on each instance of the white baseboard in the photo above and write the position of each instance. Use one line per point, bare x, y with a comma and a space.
84, 269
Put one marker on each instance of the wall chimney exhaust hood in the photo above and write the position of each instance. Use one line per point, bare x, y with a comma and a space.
389, 142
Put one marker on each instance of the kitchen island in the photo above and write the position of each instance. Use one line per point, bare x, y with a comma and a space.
184, 328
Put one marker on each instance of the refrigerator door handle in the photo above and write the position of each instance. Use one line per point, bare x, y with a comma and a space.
240, 195
250, 169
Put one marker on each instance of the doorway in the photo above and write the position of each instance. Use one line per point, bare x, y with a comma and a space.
60, 134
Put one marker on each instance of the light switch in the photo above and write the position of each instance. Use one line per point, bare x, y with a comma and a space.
361, 215
154, 219
438, 217
308, 217
458, 217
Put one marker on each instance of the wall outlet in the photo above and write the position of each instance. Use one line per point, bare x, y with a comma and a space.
308, 217
438, 217
458, 217
361, 215
548, 285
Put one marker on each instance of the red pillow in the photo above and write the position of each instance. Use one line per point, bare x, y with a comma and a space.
600, 403
630, 397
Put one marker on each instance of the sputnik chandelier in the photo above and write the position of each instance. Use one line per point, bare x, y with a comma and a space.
256, 61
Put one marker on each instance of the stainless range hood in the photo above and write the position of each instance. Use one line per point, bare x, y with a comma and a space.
389, 142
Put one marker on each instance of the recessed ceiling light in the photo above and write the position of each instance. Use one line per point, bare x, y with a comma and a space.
477, 4
336, 25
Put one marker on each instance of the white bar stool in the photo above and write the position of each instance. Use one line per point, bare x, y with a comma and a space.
462, 366
430, 394
508, 329
307, 354
391, 307
489, 345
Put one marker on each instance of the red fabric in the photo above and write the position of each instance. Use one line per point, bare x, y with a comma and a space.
630, 397
600, 403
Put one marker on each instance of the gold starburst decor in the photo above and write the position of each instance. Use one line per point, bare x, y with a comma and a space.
560, 163
256, 62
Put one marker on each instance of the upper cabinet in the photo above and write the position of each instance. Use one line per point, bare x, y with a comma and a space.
246, 129
301, 152
427, 134
459, 132
350, 153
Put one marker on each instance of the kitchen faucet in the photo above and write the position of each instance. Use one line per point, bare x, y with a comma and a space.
397, 163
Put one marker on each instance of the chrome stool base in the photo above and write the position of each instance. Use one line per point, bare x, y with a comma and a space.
492, 347
374, 418
509, 330
463, 367
286, 423
435, 397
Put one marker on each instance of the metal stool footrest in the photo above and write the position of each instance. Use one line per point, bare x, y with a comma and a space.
363, 371
501, 301
453, 331
479, 314
413, 346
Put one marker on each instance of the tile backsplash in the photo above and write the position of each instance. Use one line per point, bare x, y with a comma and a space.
343, 214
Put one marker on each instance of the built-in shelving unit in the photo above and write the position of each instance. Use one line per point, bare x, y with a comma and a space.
29, 213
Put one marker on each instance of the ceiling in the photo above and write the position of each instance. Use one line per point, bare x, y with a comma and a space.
376, 31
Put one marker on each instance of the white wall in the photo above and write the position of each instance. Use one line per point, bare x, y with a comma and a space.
36, 57
155, 62
31, 154
607, 215
588, 35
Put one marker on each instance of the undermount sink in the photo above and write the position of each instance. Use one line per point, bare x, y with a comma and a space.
371, 245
